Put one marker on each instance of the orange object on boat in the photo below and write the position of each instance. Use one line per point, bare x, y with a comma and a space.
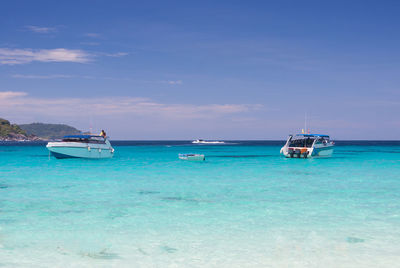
303, 150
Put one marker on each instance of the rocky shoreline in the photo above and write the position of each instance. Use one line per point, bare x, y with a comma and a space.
33, 132
20, 137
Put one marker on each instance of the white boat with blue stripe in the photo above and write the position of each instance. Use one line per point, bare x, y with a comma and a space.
307, 146
81, 146
192, 157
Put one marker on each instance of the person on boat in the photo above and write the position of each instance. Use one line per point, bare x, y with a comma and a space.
103, 133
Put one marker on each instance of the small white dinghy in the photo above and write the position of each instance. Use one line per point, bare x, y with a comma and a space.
192, 157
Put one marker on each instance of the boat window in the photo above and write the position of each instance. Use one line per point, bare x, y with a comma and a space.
301, 142
98, 140
319, 141
75, 139
323, 140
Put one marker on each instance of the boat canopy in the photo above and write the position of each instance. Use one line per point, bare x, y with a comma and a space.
313, 135
306, 140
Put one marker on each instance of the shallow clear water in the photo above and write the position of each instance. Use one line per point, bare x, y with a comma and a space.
245, 206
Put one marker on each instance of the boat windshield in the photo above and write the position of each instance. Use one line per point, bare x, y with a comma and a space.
299, 141
100, 140
322, 140
308, 141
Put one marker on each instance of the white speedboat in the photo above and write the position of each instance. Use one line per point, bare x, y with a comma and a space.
81, 146
192, 157
207, 142
307, 146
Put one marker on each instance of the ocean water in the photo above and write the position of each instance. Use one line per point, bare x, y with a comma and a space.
245, 206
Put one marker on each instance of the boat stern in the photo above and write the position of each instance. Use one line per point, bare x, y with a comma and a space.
297, 152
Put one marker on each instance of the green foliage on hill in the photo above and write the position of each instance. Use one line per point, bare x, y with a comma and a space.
49, 131
7, 129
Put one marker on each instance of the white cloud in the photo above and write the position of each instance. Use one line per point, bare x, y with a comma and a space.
115, 55
23, 56
93, 35
42, 30
173, 82
130, 117
90, 43
118, 54
21, 103
32, 76
4, 95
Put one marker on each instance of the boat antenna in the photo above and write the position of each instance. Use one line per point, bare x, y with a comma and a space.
91, 124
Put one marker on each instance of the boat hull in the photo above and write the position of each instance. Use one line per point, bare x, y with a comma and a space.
323, 151
80, 150
61, 156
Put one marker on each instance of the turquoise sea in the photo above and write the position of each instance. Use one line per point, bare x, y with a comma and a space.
245, 206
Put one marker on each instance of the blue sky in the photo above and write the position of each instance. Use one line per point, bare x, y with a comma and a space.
208, 69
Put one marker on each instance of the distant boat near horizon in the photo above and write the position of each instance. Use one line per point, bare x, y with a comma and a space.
81, 146
200, 141
308, 146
